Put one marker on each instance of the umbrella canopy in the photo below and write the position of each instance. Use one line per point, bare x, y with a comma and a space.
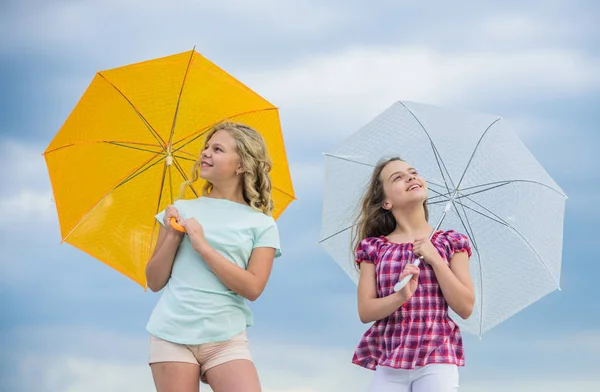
483, 182
131, 141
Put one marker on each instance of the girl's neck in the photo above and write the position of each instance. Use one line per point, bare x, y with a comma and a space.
411, 224
232, 192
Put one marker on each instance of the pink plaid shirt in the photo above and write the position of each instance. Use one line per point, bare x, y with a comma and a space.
420, 332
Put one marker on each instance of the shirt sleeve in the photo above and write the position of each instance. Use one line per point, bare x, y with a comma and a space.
367, 251
458, 243
269, 238
159, 217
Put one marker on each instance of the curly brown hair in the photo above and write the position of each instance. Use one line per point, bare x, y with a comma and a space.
255, 159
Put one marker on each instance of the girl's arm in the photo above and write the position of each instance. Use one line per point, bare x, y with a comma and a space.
158, 269
456, 284
370, 307
248, 283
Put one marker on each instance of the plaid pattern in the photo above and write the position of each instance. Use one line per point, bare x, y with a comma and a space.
420, 332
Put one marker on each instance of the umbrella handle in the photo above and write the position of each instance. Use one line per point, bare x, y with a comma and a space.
398, 286
176, 225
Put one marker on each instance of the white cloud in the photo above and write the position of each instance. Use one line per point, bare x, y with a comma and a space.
347, 88
27, 205
522, 29
26, 196
160, 26
307, 178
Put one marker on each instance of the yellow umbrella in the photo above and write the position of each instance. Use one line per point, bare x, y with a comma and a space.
130, 142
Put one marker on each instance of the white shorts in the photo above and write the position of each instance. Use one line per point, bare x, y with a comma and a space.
429, 378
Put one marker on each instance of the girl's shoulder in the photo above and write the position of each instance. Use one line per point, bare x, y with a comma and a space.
368, 249
453, 241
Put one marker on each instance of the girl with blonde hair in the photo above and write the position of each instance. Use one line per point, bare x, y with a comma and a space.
198, 327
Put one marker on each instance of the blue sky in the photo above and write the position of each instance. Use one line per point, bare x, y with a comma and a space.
72, 324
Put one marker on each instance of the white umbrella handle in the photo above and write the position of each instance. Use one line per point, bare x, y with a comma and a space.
398, 286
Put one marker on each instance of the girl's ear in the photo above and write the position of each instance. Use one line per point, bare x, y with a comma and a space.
386, 205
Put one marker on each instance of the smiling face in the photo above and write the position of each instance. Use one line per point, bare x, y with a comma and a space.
219, 159
402, 185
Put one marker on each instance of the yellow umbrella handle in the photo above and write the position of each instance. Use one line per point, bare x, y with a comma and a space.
176, 225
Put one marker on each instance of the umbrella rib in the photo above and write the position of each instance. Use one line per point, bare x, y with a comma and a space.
506, 182
478, 212
371, 165
469, 229
134, 148
520, 235
492, 186
475, 150
121, 143
438, 158
196, 136
148, 126
349, 160
462, 195
180, 169
202, 131
134, 173
187, 70
471, 234
161, 189
170, 182
139, 171
184, 158
439, 194
195, 156
482, 214
334, 234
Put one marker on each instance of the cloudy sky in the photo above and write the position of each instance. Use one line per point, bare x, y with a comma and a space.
71, 324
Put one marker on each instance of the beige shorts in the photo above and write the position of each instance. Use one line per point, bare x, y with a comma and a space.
206, 355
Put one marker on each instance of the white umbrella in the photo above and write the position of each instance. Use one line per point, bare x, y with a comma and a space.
483, 182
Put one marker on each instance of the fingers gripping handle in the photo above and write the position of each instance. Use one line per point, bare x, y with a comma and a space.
398, 286
176, 225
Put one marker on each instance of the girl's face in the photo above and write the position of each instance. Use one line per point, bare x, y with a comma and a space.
220, 160
402, 185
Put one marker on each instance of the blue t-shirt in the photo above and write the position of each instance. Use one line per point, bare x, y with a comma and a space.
195, 306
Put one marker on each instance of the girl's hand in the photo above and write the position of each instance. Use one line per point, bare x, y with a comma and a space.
171, 212
195, 231
409, 289
424, 247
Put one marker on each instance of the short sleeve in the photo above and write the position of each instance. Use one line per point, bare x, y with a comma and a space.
458, 243
268, 237
366, 251
159, 217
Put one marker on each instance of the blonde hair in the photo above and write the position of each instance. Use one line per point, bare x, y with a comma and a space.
255, 160
373, 220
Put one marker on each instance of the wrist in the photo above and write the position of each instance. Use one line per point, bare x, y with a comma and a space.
202, 247
401, 298
174, 234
